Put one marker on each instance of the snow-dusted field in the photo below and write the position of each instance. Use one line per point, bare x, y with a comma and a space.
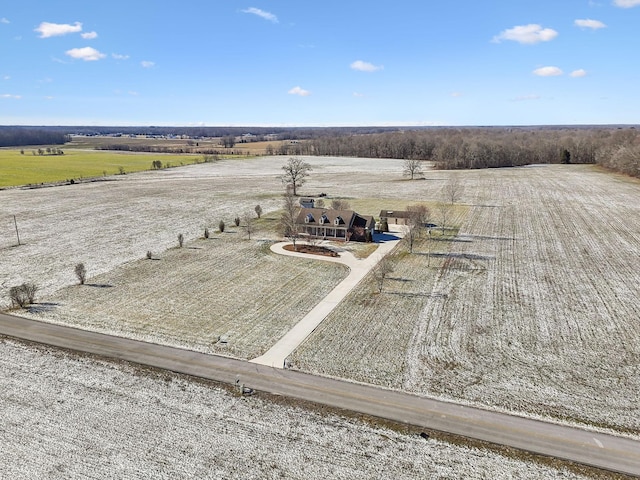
225, 288
68, 417
534, 308
105, 224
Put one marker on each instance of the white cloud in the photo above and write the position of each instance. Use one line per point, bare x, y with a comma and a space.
117, 56
547, 72
88, 54
579, 73
456, 94
47, 29
357, 94
262, 14
626, 3
365, 66
299, 91
6, 77
133, 93
4, 20
588, 23
529, 34
147, 64
14, 97
89, 35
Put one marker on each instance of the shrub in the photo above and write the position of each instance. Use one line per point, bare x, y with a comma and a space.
30, 290
23, 295
206, 233
149, 254
237, 221
81, 273
221, 226
180, 240
258, 210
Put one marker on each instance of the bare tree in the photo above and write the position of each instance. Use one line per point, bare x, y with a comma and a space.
445, 211
258, 210
419, 217
340, 204
180, 240
419, 214
412, 167
228, 141
295, 174
381, 271
412, 234
249, 225
453, 189
288, 226
81, 273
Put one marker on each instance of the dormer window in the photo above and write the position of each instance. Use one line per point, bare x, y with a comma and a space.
308, 218
324, 219
338, 220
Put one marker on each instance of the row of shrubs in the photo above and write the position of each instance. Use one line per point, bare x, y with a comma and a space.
24, 295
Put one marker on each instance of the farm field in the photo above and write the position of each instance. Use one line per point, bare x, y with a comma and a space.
530, 308
224, 288
91, 142
28, 169
67, 416
81, 160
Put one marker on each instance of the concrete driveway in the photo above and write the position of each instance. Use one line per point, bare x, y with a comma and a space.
358, 269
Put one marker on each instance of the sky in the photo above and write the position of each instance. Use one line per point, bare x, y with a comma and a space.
319, 62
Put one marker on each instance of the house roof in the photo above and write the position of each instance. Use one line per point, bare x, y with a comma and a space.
345, 217
366, 221
394, 214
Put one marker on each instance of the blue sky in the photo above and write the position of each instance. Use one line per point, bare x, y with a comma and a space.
319, 63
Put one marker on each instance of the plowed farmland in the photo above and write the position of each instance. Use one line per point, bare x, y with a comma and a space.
533, 307
529, 305
77, 417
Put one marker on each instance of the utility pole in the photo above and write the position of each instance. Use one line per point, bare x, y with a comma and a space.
15, 222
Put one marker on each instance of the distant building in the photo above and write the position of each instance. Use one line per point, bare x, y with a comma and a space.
329, 224
398, 217
307, 203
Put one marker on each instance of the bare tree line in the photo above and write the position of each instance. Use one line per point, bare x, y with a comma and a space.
466, 148
17, 137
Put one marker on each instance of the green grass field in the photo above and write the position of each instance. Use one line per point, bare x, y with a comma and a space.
24, 169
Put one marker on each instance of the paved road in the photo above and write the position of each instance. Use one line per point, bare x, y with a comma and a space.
358, 268
595, 449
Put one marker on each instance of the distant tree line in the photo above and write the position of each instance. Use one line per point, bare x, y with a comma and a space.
19, 136
263, 133
171, 149
616, 148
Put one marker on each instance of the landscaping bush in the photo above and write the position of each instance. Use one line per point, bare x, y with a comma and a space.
23, 295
